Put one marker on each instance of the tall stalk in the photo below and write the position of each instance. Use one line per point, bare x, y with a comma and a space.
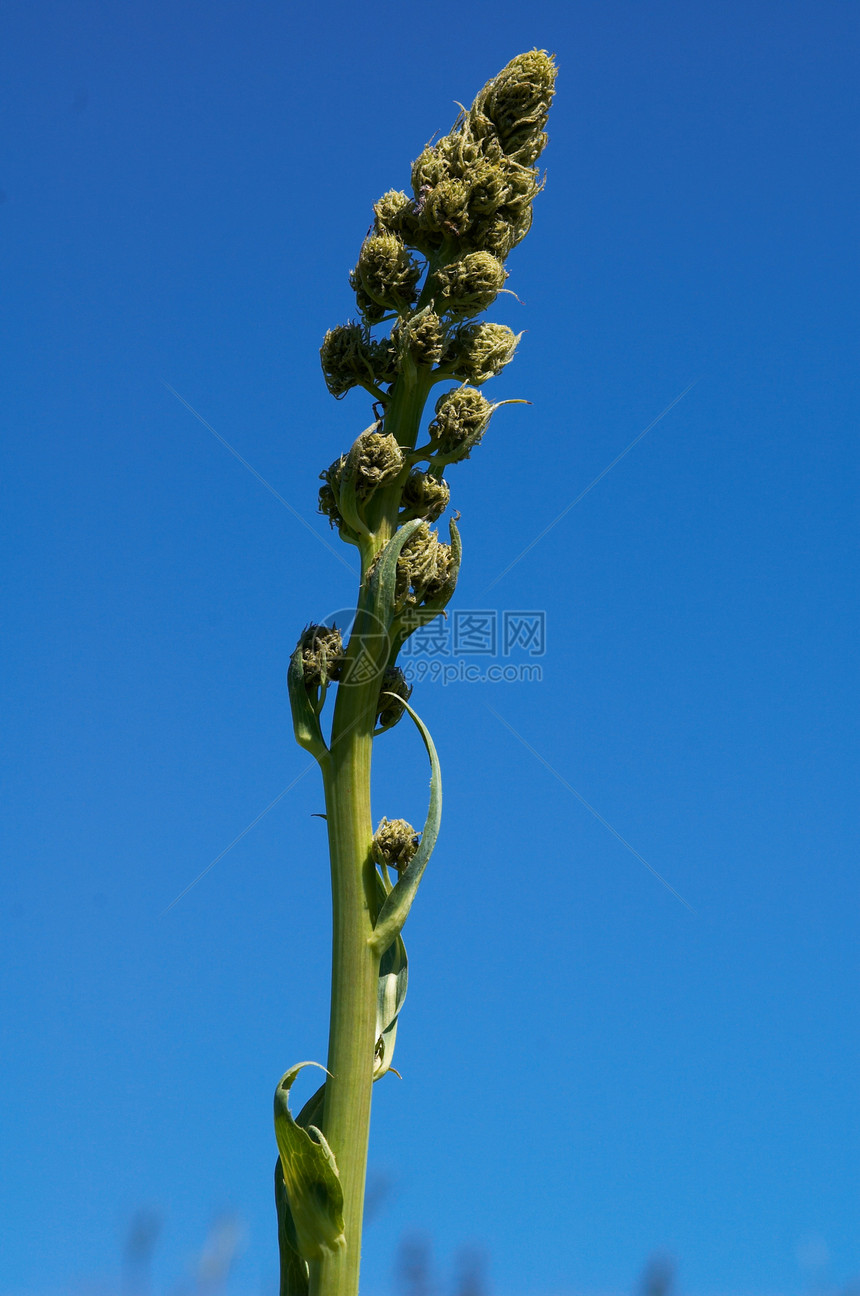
471, 204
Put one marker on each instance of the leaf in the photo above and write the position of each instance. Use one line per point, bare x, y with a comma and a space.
397, 904
444, 597
313, 1190
391, 993
295, 1277
347, 499
382, 582
306, 725
294, 1270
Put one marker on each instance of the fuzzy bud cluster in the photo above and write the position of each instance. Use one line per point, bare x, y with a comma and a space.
514, 107
394, 844
422, 337
322, 655
351, 358
469, 285
386, 276
395, 213
378, 460
329, 493
424, 496
470, 192
476, 185
461, 419
471, 203
424, 568
375, 460
476, 352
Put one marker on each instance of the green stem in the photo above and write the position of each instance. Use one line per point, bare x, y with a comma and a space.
355, 965
355, 972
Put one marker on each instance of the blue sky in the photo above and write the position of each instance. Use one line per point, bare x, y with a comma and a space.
592, 1070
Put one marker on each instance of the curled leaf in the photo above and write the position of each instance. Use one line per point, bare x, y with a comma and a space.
312, 1185
306, 725
383, 580
295, 1275
391, 993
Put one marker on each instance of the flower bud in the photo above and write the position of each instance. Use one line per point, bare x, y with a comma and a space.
378, 460
374, 460
468, 286
371, 311
496, 235
322, 655
423, 336
477, 352
523, 187
429, 169
425, 496
386, 273
383, 360
390, 212
458, 153
329, 494
423, 568
489, 188
446, 208
390, 709
522, 224
515, 106
396, 213
350, 359
394, 844
461, 419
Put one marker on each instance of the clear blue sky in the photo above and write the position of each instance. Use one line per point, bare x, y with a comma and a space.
591, 1071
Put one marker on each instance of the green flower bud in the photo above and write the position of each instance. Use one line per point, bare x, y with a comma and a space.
464, 184
423, 568
394, 844
522, 224
386, 273
374, 460
463, 154
477, 352
489, 188
493, 235
350, 358
523, 187
424, 496
429, 169
383, 360
468, 286
390, 210
378, 460
329, 495
390, 709
462, 416
395, 213
371, 311
322, 655
515, 106
445, 208
423, 336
